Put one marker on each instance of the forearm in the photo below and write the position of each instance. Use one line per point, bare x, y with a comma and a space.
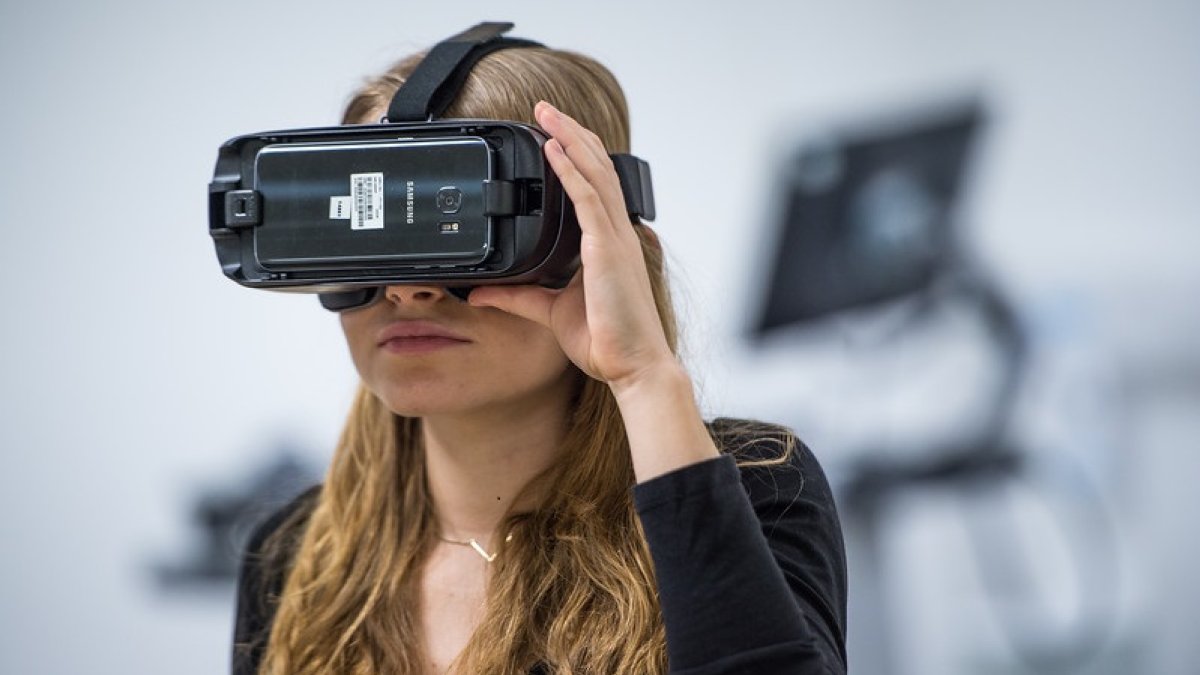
665, 428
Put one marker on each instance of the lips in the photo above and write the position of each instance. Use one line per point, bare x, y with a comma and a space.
418, 336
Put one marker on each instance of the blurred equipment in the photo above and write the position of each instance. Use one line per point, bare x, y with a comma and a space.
869, 221
223, 520
868, 217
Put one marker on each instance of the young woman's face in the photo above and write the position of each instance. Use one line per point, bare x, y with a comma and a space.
424, 352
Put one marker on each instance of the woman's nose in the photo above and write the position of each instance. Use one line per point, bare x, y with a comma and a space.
413, 295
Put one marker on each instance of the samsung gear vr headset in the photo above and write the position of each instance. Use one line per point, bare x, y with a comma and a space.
343, 211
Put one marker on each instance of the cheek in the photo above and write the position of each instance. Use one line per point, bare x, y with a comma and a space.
357, 341
527, 354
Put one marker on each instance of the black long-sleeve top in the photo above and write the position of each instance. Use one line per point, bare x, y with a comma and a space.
749, 560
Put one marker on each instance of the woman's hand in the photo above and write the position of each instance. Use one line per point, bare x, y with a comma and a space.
604, 319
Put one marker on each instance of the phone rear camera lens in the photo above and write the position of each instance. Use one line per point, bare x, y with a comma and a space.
449, 199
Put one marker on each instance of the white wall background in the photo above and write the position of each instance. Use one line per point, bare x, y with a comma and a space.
132, 373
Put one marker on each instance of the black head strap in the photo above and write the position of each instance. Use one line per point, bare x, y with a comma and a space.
437, 80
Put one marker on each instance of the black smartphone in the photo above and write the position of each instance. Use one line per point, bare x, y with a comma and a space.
380, 204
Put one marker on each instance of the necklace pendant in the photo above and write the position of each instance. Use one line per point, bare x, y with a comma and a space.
480, 550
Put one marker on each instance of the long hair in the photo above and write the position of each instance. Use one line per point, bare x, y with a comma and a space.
574, 588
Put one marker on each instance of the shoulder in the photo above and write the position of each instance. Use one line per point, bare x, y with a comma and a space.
786, 485
769, 457
271, 545
264, 565
751, 440
280, 518
795, 507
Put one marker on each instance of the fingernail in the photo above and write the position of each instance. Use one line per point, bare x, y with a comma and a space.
554, 112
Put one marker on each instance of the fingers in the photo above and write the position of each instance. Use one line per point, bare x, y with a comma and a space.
571, 133
586, 157
589, 204
528, 302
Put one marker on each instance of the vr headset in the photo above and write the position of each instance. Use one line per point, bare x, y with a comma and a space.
343, 211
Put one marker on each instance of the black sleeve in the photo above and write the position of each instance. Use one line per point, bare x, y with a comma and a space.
260, 581
750, 564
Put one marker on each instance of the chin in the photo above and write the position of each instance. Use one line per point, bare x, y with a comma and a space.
407, 405
424, 399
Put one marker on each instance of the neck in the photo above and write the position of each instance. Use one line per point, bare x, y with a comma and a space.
478, 462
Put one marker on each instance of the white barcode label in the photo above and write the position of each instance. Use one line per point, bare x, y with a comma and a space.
366, 193
340, 208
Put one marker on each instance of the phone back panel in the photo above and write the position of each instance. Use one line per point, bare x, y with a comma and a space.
380, 202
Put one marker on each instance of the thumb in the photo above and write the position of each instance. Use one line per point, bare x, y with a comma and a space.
528, 302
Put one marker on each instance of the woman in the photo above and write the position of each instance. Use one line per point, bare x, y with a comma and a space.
525, 483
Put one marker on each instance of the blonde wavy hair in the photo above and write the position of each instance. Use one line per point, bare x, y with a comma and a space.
575, 586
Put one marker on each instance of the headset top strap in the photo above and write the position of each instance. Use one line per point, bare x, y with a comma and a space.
440, 75
435, 82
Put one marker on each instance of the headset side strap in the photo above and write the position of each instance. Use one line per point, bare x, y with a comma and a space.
634, 174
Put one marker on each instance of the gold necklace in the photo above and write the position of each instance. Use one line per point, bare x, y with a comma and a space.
474, 544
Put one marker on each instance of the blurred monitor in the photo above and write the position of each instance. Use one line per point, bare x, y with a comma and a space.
867, 215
